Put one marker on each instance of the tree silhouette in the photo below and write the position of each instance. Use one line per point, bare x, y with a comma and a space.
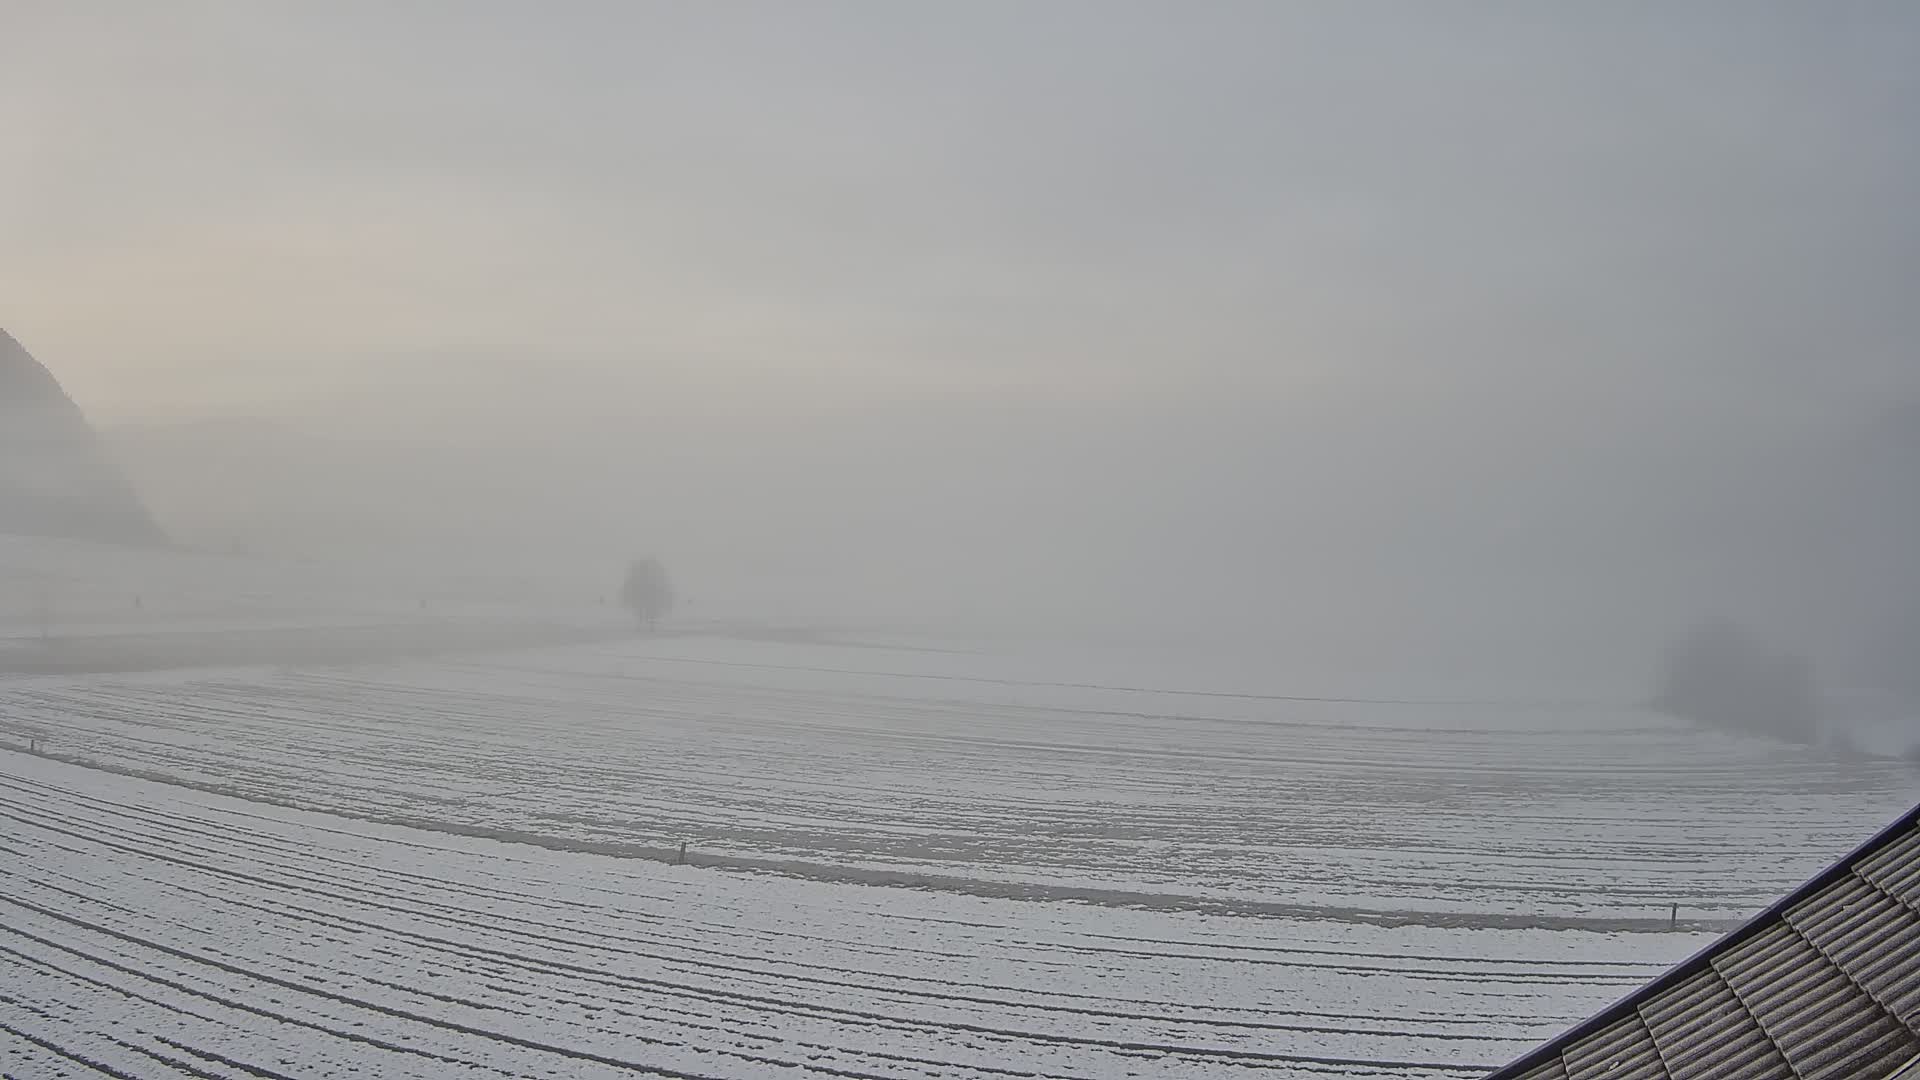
1721, 676
647, 591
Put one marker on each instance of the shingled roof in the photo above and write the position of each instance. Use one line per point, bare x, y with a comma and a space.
1824, 984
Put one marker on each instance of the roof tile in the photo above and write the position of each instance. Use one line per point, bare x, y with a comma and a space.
1822, 1021
1824, 985
1624, 1051
1704, 1033
1871, 935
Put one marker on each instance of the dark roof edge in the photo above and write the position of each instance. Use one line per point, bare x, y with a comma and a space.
1546, 1051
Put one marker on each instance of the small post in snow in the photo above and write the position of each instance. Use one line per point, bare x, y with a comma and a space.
1673, 917
681, 859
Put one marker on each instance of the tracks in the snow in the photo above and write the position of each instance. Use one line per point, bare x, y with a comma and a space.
193, 936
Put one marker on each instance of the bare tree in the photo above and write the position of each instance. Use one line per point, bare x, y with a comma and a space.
647, 591
1722, 676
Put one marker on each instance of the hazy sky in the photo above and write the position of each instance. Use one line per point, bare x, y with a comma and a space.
1253, 285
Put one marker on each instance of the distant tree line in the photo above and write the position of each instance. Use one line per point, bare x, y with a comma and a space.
1721, 676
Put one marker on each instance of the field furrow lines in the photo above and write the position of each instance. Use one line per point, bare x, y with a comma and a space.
233, 938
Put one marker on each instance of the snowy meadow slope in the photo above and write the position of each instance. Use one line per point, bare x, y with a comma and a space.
909, 857
965, 769
156, 931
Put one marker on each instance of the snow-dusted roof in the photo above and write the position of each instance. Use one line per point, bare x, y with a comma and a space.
1824, 984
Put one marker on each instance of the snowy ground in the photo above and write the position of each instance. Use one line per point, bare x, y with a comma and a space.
154, 931
76, 608
912, 856
67, 589
962, 770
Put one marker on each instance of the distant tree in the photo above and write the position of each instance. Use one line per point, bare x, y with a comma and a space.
1721, 676
647, 591
1893, 660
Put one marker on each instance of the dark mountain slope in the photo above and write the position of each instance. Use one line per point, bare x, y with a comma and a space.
55, 477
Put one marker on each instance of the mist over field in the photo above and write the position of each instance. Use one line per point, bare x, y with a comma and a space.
1522, 340
1067, 539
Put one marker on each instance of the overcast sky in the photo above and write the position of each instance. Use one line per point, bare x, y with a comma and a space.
1190, 281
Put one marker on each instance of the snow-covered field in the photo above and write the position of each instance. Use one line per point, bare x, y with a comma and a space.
77, 608
69, 588
155, 931
910, 856
965, 770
